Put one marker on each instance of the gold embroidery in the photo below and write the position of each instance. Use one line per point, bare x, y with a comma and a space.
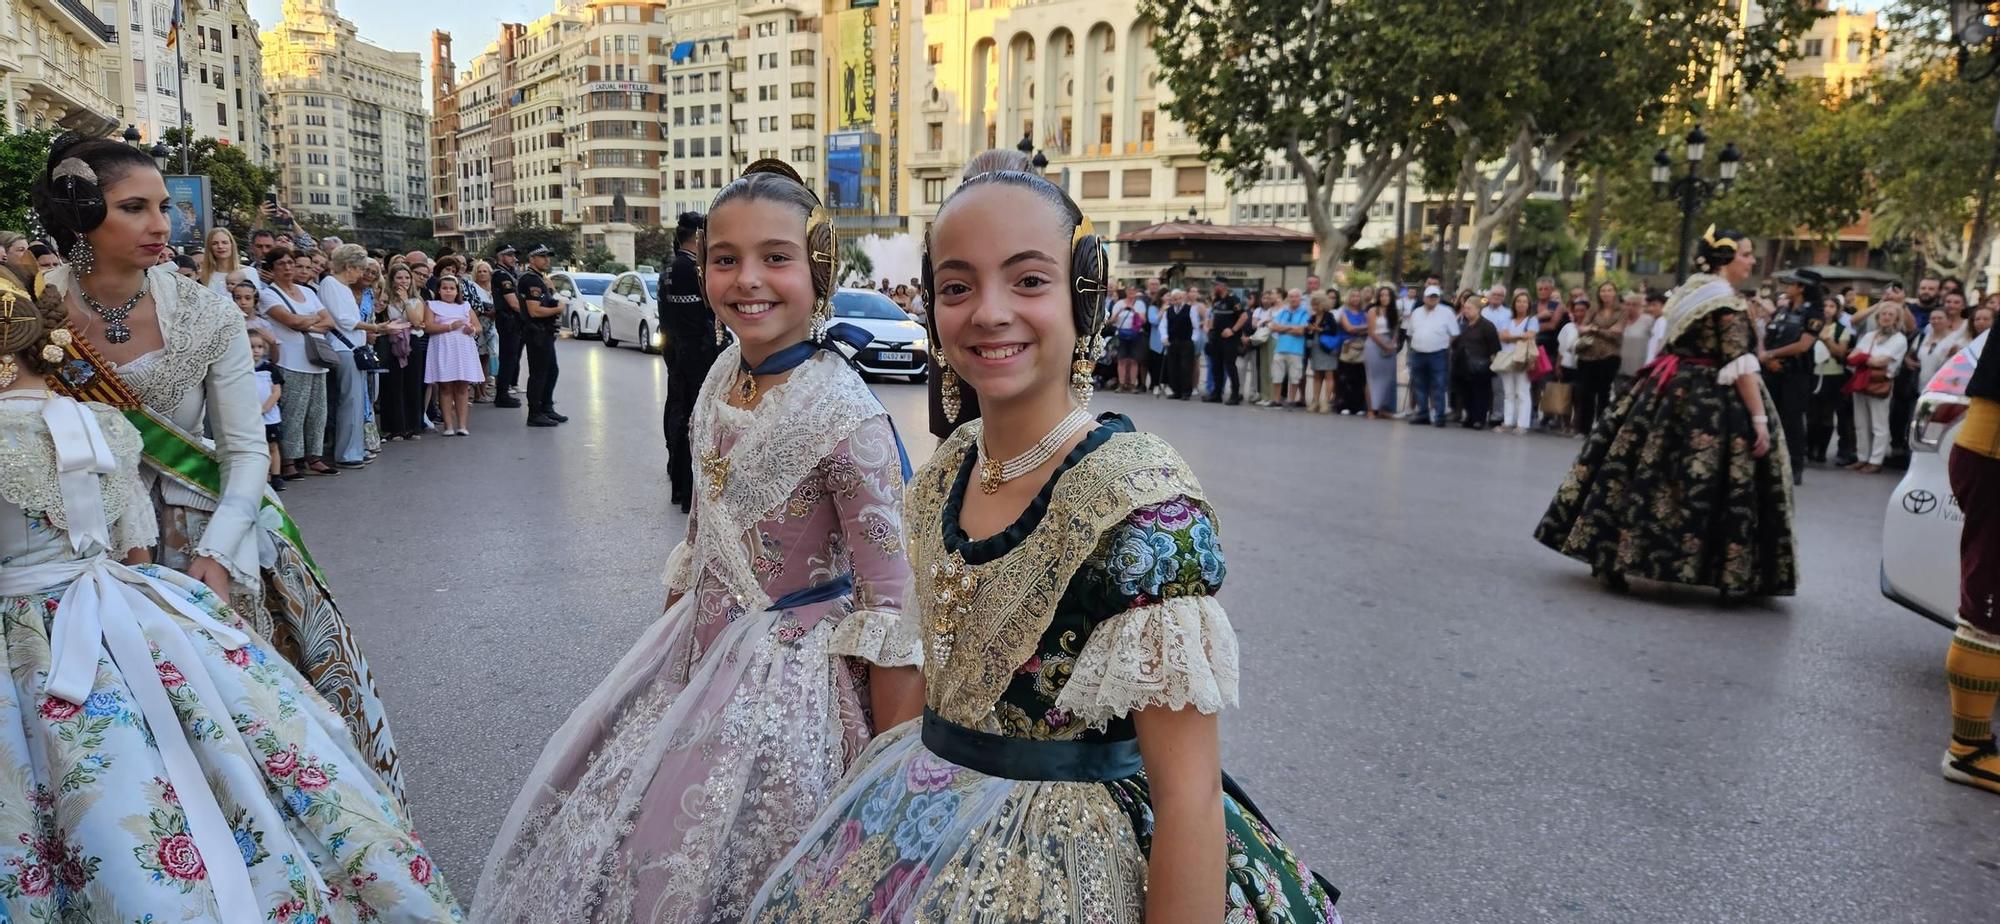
716, 467
996, 612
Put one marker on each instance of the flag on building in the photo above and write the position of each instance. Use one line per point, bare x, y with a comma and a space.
174, 25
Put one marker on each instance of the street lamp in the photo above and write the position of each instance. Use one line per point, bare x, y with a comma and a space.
159, 152
131, 134
1972, 29
1691, 191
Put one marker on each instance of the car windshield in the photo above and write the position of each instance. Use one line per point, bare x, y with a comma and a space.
652, 285
866, 305
590, 286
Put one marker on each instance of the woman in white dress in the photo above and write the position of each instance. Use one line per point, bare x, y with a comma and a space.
695, 765
158, 762
173, 355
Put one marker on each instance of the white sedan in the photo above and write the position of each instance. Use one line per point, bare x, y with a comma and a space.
585, 292
1921, 528
632, 311
899, 347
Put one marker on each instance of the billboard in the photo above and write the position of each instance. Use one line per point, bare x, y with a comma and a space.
192, 212
854, 70
843, 171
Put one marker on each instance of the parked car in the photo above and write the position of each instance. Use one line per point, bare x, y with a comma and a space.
585, 292
899, 347
632, 311
1921, 528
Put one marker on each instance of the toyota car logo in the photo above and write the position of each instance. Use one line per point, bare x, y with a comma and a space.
1920, 502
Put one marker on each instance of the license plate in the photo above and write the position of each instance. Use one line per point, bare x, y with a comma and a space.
891, 356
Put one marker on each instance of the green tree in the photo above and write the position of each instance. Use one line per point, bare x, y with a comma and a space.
526, 232
1541, 242
236, 186
598, 259
855, 263
654, 247
22, 157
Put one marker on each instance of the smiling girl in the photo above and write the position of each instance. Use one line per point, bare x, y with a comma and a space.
696, 764
1067, 766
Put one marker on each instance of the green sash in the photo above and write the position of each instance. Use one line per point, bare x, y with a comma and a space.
171, 451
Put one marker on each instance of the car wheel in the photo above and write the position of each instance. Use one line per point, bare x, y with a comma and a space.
574, 330
645, 340
604, 334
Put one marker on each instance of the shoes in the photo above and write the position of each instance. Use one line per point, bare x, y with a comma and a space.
1798, 477
464, 432
541, 420
506, 402
1232, 402
1211, 399
1979, 769
352, 465
1846, 461
552, 415
277, 483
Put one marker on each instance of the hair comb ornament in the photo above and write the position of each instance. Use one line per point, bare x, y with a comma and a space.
73, 167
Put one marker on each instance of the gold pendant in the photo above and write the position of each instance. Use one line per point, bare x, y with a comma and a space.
990, 479
717, 469
955, 586
746, 388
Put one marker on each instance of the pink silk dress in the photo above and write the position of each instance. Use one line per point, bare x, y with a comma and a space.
693, 768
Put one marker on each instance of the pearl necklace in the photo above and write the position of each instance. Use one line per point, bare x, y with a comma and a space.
994, 472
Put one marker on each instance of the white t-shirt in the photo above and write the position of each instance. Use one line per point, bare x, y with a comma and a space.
1431, 329
1658, 338
264, 386
339, 301
1877, 345
292, 356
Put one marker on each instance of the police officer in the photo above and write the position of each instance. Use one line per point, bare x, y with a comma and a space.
1787, 357
691, 349
538, 337
507, 318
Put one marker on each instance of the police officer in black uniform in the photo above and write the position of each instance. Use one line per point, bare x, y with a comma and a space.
1787, 357
691, 349
538, 337
507, 318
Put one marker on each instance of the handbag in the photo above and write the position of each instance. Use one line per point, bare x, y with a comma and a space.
364, 355
318, 351
1542, 367
1259, 337
1513, 358
1350, 352
1556, 399
1329, 342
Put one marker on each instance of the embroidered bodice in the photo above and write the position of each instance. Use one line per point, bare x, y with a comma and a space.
802, 490
1719, 337
34, 518
1097, 602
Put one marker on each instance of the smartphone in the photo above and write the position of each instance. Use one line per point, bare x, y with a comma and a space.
270, 198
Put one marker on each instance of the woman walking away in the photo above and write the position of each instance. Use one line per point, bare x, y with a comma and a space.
452, 360
1379, 355
694, 766
1683, 479
1351, 377
1517, 408
1322, 360
1876, 356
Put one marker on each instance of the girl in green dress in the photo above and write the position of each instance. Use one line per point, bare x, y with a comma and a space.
1067, 765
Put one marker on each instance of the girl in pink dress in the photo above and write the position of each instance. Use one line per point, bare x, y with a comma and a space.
453, 361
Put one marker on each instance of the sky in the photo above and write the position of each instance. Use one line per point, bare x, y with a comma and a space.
390, 23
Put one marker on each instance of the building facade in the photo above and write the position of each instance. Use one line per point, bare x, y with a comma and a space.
478, 102
705, 87
444, 142
61, 60
617, 131
348, 117
777, 100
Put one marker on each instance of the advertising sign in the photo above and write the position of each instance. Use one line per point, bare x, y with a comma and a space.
843, 170
854, 70
192, 212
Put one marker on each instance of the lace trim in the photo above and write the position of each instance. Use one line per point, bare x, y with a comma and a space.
193, 319
28, 474
1178, 653
1016, 594
679, 573
1737, 368
885, 638
796, 425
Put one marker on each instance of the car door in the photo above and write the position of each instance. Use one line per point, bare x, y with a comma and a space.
620, 312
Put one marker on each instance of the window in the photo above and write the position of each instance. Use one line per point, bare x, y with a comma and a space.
1097, 184
1136, 184
1854, 49
935, 139
802, 57
767, 61
804, 89
1103, 129
1146, 125
933, 191
1190, 181
694, 83
221, 113
679, 84
805, 155
935, 55
699, 148
802, 120
1815, 47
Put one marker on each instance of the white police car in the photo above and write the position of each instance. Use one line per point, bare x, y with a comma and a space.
1921, 526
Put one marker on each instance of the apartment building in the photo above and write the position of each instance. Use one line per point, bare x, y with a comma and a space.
60, 63
444, 142
618, 126
778, 97
223, 84
348, 117
866, 134
705, 82
478, 102
537, 101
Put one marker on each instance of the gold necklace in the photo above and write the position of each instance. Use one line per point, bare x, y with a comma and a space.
746, 387
954, 585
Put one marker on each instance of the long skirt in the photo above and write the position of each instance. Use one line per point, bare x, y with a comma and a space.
194, 778
1180, 368
672, 790
298, 615
1666, 489
1381, 365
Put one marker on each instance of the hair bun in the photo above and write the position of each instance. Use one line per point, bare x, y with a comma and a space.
60, 148
774, 165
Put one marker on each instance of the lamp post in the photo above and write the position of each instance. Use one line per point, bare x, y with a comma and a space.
160, 154
1973, 30
1691, 191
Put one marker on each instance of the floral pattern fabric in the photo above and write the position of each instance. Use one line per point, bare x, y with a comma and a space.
913, 837
1666, 487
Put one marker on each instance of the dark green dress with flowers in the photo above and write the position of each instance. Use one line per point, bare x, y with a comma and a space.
915, 836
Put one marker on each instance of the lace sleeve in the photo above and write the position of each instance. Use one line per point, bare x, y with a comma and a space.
864, 478
236, 418
679, 576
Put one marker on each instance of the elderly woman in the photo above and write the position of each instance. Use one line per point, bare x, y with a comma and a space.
347, 388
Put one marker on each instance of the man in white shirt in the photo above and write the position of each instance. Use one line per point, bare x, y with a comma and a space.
1431, 327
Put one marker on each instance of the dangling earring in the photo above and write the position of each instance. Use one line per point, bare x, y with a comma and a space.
81, 257
9, 371
718, 333
948, 391
821, 311
1080, 382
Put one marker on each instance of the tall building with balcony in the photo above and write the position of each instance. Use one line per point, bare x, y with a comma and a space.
538, 93
444, 142
61, 60
706, 80
348, 117
778, 95
478, 90
154, 103
223, 83
1078, 80
617, 123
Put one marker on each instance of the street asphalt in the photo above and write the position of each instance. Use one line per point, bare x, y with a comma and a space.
1449, 721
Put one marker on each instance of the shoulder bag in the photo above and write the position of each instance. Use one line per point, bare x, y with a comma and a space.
318, 350
364, 355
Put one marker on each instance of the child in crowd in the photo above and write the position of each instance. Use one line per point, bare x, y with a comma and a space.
270, 388
245, 296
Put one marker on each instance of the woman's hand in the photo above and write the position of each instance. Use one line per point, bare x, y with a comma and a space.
1763, 446
209, 571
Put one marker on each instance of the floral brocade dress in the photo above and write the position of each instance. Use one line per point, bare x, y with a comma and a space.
1020, 795
684, 777
1666, 487
158, 761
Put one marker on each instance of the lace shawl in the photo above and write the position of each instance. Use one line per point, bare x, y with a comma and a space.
28, 473
1700, 296
795, 426
1014, 597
